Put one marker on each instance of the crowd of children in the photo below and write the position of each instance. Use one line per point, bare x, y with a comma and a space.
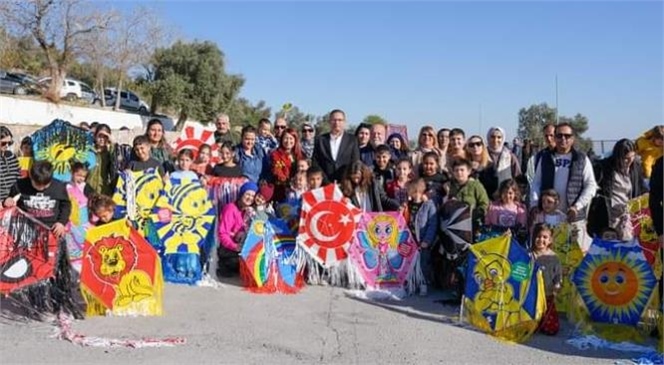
391, 182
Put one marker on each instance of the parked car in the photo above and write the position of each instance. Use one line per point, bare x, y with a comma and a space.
128, 100
17, 84
74, 90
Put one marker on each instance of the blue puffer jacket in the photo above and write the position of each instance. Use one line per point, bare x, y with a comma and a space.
426, 223
253, 167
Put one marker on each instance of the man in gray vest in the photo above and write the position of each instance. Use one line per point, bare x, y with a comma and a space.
570, 173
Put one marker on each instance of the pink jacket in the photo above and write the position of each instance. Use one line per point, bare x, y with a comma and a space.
499, 215
231, 221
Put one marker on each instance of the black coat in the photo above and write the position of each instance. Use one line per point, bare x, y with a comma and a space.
655, 201
322, 156
380, 202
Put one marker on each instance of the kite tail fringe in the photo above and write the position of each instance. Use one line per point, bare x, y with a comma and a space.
65, 332
415, 276
355, 279
315, 273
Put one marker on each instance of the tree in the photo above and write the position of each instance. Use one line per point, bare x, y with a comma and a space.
242, 112
190, 78
374, 119
294, 116
533, 120
58, 26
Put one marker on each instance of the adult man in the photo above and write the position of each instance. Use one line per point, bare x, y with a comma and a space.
570, 173
223, 132
335, 151
378, 134
307, 139
549, 145
280, 126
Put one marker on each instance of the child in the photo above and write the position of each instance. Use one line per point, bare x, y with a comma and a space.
507, 211
202, 164
552, 273
382, 169
185, 163
303, 166
25, 157
265, 137
397, 188
468, 190
102, 208
79, 174
315, 177
609, 234
298, 186
264, 197
43, 197
429, 171
234, 223
422, 221
548, 212
141, 160
227, 166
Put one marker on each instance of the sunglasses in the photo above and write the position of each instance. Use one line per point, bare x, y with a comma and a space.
564, 135
279, 127
6, 143
307, 130
475, 144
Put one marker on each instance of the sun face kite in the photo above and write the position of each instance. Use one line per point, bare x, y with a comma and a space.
615, 281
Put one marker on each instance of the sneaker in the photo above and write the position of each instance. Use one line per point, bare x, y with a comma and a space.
423, 290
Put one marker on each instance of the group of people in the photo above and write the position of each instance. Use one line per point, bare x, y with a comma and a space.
521, 191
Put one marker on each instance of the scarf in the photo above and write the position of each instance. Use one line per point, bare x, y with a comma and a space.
504, 165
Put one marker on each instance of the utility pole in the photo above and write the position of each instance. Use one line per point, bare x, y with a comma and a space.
557, 115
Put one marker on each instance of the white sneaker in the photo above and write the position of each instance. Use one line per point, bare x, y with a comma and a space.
423, 290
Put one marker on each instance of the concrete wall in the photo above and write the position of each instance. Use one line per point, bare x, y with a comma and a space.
24, 111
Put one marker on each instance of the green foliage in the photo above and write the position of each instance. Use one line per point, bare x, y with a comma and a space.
242, 112
21, 53
533, 120
374, 119
294, 116
190, 78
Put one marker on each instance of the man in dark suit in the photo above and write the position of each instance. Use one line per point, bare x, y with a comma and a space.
335, 151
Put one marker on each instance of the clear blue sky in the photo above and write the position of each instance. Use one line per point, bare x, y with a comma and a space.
437, 62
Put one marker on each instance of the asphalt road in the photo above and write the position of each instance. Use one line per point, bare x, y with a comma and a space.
319, 325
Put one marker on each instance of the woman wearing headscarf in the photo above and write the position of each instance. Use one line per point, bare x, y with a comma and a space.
505, 163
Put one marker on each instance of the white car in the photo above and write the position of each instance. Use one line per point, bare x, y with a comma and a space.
74, 89
128, 100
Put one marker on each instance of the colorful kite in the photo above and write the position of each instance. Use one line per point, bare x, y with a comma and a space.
194, 135
77, 226
62, 144
24, 164
224, 190
268, 256
504, 293
183, 216
121, 272
457, 227
27, 251
327, 225
644, 231
290, 212
570, 255
384, 251
615, 281
136, 194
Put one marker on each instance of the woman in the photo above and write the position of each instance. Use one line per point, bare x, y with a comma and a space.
227, 166
358, 185
250, 155
443, 140
363, 135
398, 146
284, 163
159, 148
527, 152
619, 178
482, 168
102, 176
505, 163
426, 142
9, 169
234, 222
